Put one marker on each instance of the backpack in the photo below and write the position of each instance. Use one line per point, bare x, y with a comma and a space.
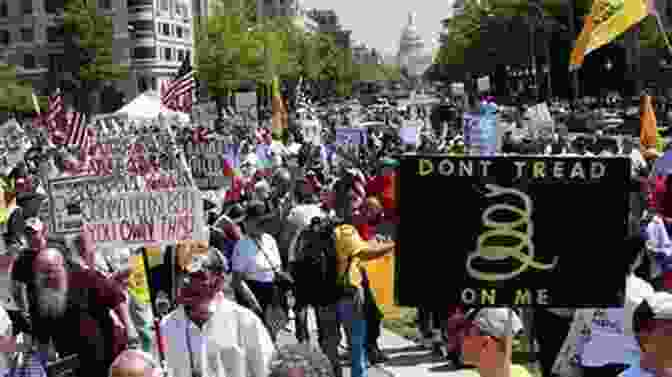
314, 270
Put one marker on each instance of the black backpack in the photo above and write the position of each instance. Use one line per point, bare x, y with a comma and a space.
314, 270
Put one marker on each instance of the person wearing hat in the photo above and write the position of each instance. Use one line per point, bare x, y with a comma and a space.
652, 325
208, 335
486, 342
256, 258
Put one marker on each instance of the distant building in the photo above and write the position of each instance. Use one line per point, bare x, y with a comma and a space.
152, 37
362, 54
412, 55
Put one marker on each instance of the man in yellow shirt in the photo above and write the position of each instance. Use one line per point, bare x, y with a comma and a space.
486, 343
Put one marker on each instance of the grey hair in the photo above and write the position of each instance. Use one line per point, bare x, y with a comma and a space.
213, 261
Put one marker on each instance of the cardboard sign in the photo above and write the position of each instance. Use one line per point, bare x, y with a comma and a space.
114, 214
209, 162
512, 231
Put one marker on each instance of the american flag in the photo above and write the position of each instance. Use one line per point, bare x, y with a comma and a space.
177, 94
80, 135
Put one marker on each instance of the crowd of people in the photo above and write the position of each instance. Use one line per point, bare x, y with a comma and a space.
297, 235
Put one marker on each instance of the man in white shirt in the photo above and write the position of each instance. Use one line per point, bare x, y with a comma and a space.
211, 337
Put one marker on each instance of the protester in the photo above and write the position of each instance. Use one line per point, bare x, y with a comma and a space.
133, 363
486, 342
210, 336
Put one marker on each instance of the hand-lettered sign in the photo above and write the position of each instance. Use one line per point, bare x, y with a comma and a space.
212, 162
502, 231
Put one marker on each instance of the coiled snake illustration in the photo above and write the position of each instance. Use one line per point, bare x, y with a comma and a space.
510, 230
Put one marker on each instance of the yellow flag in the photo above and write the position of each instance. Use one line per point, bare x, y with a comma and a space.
138, 284
648, 134
607, 20
279, 116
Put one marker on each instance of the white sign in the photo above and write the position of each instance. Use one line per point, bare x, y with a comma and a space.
483, 84
311, 130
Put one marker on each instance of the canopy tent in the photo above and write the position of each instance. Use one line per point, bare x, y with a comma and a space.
148, 106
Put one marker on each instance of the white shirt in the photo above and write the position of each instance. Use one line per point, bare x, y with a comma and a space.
637, 161
5, 331
232, 343
254, 263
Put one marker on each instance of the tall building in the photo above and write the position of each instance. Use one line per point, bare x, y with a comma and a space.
152, 37
362, 54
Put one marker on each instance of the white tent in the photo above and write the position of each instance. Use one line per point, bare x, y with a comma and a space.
148, 106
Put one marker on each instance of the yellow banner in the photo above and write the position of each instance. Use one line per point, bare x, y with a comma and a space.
138, 284
607, 20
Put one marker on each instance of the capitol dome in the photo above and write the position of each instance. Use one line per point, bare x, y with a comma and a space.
410, 38
412, 54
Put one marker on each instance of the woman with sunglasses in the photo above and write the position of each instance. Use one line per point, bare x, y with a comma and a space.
256, 258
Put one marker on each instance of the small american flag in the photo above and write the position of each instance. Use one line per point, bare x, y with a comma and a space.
78, 131
173, 95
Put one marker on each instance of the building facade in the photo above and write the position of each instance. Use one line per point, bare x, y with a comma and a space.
152, 37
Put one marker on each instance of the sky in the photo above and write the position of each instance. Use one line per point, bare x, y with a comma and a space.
378, 23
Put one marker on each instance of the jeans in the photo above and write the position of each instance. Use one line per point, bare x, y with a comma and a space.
349, 314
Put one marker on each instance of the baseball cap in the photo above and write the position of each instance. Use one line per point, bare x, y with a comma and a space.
494, 321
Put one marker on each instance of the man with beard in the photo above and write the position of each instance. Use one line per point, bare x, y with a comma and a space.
72, 309
208, 335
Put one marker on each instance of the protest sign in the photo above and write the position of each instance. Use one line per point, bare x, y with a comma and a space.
347, 135
409, 134
513, 231
480, 134
111, 213
211, 161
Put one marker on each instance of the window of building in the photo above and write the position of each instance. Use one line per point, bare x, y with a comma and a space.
187, 55
179, 32
105, 4
54, 6
164, 5
4, 9
27, 35
4, 37
144, 52
180, 55
29, 61
140, 3
142, 26
27, 7
143, 84
165, 30
154, 85
55, 34
56, 63
168, 54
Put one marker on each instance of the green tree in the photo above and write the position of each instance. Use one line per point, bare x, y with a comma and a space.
228, 54
15, 95
91, 35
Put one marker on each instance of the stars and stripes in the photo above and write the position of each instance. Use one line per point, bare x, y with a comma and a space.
177, 94
78, 132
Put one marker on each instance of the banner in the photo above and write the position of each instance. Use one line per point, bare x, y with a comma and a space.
211, 162
526, 228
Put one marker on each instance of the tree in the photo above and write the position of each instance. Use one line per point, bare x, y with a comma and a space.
90, 36
15, 95
228, 54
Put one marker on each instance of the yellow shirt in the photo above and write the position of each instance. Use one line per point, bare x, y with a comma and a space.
348, 245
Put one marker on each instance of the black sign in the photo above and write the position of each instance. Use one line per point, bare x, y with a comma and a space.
501, 231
